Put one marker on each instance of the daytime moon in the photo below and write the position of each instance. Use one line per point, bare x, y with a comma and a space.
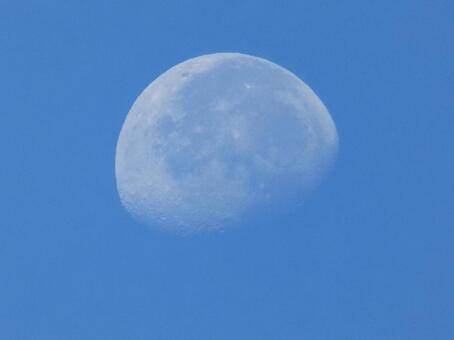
219, 137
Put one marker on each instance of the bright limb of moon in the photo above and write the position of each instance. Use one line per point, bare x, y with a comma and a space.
217, 137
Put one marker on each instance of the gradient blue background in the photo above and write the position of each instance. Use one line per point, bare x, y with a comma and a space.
369, 256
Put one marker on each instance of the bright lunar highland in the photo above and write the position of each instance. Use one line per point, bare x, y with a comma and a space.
218, 138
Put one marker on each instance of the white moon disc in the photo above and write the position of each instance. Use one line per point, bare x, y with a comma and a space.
217, 137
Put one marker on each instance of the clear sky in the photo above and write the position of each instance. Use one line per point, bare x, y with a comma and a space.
369, 256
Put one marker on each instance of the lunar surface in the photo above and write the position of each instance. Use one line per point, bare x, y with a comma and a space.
219, 137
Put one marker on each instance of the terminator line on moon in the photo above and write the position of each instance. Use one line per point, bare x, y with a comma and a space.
218, 137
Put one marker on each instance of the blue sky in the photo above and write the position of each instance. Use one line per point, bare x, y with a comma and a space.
369, 256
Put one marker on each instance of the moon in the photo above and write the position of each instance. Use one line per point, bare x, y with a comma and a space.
219, 137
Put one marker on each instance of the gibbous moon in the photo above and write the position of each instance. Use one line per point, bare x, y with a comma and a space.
218, 138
